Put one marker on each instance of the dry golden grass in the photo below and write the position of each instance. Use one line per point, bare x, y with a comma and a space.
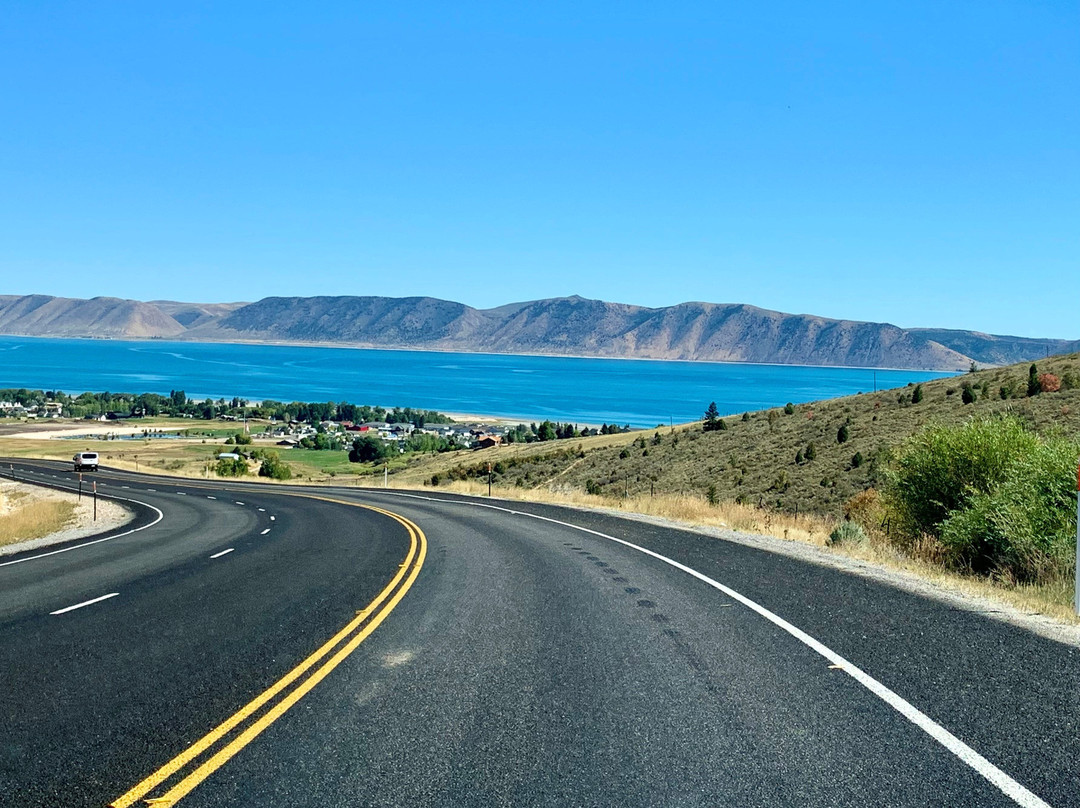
25, 517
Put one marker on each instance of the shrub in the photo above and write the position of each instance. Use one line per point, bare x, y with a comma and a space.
592, 487
789, 409
240, 439
967, 395
999, 498
275, 468
711, 495
865, 508
846, 533
811, 451
843, 433
625, 453
1049, 383
857, 460
230, 467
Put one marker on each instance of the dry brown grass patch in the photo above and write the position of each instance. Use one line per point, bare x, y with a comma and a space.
24, 518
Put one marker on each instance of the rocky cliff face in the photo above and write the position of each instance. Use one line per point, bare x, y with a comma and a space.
566, 326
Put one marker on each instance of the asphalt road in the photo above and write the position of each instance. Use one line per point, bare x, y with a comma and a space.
509, 655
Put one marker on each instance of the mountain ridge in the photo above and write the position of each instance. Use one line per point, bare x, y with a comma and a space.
693, 331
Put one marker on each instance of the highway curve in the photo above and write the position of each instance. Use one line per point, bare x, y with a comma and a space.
427, 649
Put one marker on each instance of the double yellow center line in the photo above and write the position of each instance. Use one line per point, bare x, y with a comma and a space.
357, 630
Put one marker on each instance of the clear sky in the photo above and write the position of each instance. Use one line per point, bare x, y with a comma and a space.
910, 162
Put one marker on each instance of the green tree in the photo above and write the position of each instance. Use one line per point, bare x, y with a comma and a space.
842, 434
967, 394
368, 449
1033, 386
789, 409
916, 394
712, 418
811, 451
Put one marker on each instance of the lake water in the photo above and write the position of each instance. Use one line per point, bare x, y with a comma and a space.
642, 393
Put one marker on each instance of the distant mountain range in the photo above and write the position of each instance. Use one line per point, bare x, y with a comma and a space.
562, 326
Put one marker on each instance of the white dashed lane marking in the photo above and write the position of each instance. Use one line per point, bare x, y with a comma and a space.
85, 603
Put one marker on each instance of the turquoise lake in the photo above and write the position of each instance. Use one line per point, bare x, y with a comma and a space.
641, 393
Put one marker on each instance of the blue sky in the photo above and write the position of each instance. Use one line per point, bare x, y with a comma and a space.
917, 163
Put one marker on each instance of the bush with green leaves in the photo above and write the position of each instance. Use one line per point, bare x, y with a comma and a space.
999, 498
846, 532
231, 467
274, 467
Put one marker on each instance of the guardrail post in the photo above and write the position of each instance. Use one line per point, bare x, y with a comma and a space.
95, 500
1076, 574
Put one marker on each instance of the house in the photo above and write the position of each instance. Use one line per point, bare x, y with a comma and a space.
488, 442
287, 442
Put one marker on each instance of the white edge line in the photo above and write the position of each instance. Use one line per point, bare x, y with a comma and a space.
1010, 787
265, 532
85, 603
223, 552
95, 541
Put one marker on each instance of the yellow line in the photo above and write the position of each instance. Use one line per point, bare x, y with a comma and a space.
416, 539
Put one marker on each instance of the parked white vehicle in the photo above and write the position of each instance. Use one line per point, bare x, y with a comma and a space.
85, 461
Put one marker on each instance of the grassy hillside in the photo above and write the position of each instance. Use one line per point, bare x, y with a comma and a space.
755, 459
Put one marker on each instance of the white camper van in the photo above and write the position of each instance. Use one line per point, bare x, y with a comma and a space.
85, 461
